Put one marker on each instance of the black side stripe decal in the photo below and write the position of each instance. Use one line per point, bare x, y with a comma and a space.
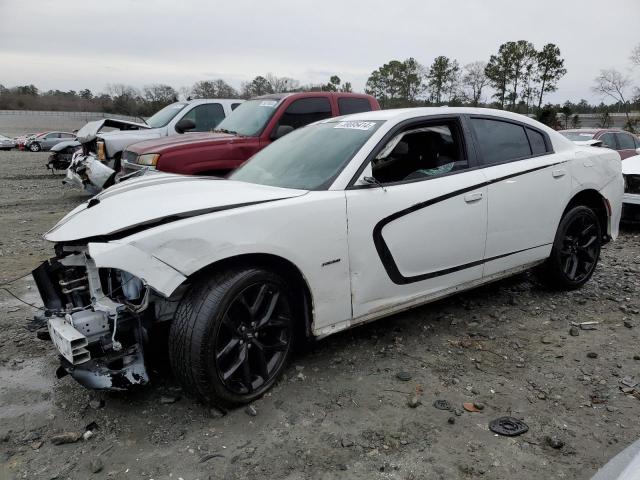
387, 258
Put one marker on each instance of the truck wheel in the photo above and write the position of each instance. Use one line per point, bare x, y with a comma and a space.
575, 252
232, 335
35, 147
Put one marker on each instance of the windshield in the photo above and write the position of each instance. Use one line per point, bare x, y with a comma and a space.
578, 136
309, 157
164, 116
250, 118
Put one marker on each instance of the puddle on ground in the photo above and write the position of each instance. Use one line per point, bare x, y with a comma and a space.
25, 389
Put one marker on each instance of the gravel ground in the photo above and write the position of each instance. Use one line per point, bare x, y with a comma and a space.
340, 411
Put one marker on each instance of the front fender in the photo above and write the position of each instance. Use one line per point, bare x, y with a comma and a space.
124, 256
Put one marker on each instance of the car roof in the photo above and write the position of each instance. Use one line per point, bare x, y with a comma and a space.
280, 96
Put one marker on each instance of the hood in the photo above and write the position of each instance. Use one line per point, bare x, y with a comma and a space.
90, 131
631, 165
58, 147
178, 142
158, 198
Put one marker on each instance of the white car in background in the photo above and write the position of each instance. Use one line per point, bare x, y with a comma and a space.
631, 199
338, 223
7, 143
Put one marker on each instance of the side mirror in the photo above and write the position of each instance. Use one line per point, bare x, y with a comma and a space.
185, 124
281, 131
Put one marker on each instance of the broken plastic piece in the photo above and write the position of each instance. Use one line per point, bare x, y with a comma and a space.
442, 405
508, 426
470, 407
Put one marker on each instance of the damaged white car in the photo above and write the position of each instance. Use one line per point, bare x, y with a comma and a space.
338, 223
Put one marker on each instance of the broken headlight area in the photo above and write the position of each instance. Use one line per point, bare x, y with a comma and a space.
89, 173
97, 318
632, 184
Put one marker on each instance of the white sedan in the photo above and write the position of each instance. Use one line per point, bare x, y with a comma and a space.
631, 199
338, 223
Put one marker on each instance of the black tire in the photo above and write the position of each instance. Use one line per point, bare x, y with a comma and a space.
575, 252
232, 335
35, 147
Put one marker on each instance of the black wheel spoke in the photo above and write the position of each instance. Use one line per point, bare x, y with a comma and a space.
254, 336
228, 348
573, 267
236, 365
261, 359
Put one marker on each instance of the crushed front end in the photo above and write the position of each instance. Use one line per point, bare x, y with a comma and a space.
97, 318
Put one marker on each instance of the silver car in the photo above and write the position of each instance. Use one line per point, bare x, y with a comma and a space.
46, 140
6, 143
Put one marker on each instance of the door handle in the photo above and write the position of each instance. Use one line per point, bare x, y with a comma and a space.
558, 173
473, 197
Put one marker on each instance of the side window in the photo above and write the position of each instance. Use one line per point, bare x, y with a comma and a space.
53, 135
206, 116
234, 106
625, 141
608, 141
536, 140
421, 152
348, 105
500, 141
305, 111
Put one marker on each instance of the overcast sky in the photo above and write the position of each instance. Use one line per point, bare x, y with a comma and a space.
74, 44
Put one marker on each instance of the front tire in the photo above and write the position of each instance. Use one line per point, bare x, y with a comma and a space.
576, 250
232, 335
35, 147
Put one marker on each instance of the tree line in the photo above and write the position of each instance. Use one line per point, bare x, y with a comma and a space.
518, 77
128, 100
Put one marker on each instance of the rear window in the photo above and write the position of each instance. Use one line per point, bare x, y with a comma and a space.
500, 141
536, 140
625, 141
353, 105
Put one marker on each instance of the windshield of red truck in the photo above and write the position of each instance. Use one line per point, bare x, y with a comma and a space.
250, 118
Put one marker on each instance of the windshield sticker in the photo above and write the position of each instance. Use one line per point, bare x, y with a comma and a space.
356, 125
268, 103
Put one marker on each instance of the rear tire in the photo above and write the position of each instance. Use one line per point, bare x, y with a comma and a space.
575, 252
35, 147
232, 335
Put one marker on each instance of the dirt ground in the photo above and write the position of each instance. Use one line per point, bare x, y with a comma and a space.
340, 411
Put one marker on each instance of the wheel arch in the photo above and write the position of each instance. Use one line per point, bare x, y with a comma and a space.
302, 296
598, 203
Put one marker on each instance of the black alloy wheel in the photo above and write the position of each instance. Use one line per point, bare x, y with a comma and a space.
576, 250
254, 337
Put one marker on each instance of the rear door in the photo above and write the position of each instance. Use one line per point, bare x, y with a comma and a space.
528, 186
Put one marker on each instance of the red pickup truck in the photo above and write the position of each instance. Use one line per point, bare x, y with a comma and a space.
248, 129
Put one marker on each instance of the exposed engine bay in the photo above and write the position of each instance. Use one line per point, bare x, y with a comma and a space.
98, 319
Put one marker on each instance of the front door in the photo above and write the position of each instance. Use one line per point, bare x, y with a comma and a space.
417, 219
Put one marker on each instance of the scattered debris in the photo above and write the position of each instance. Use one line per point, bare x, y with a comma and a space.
96, 403
67, 437
442, 405
586, 325
96, 465
508, 426
574, 332
479, 406
546, 340
87, 435
636, 357
470, 407
209, 456
554, 442
628, 324
346, 442
628, 382
451, 420
414, 401
168, 399
251, 411
592, 355
404, 376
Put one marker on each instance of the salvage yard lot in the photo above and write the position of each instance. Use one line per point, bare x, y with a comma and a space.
341, 411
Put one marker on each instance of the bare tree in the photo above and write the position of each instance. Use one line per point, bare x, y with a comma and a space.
475, 80
281, 84
635, 55
612, 83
